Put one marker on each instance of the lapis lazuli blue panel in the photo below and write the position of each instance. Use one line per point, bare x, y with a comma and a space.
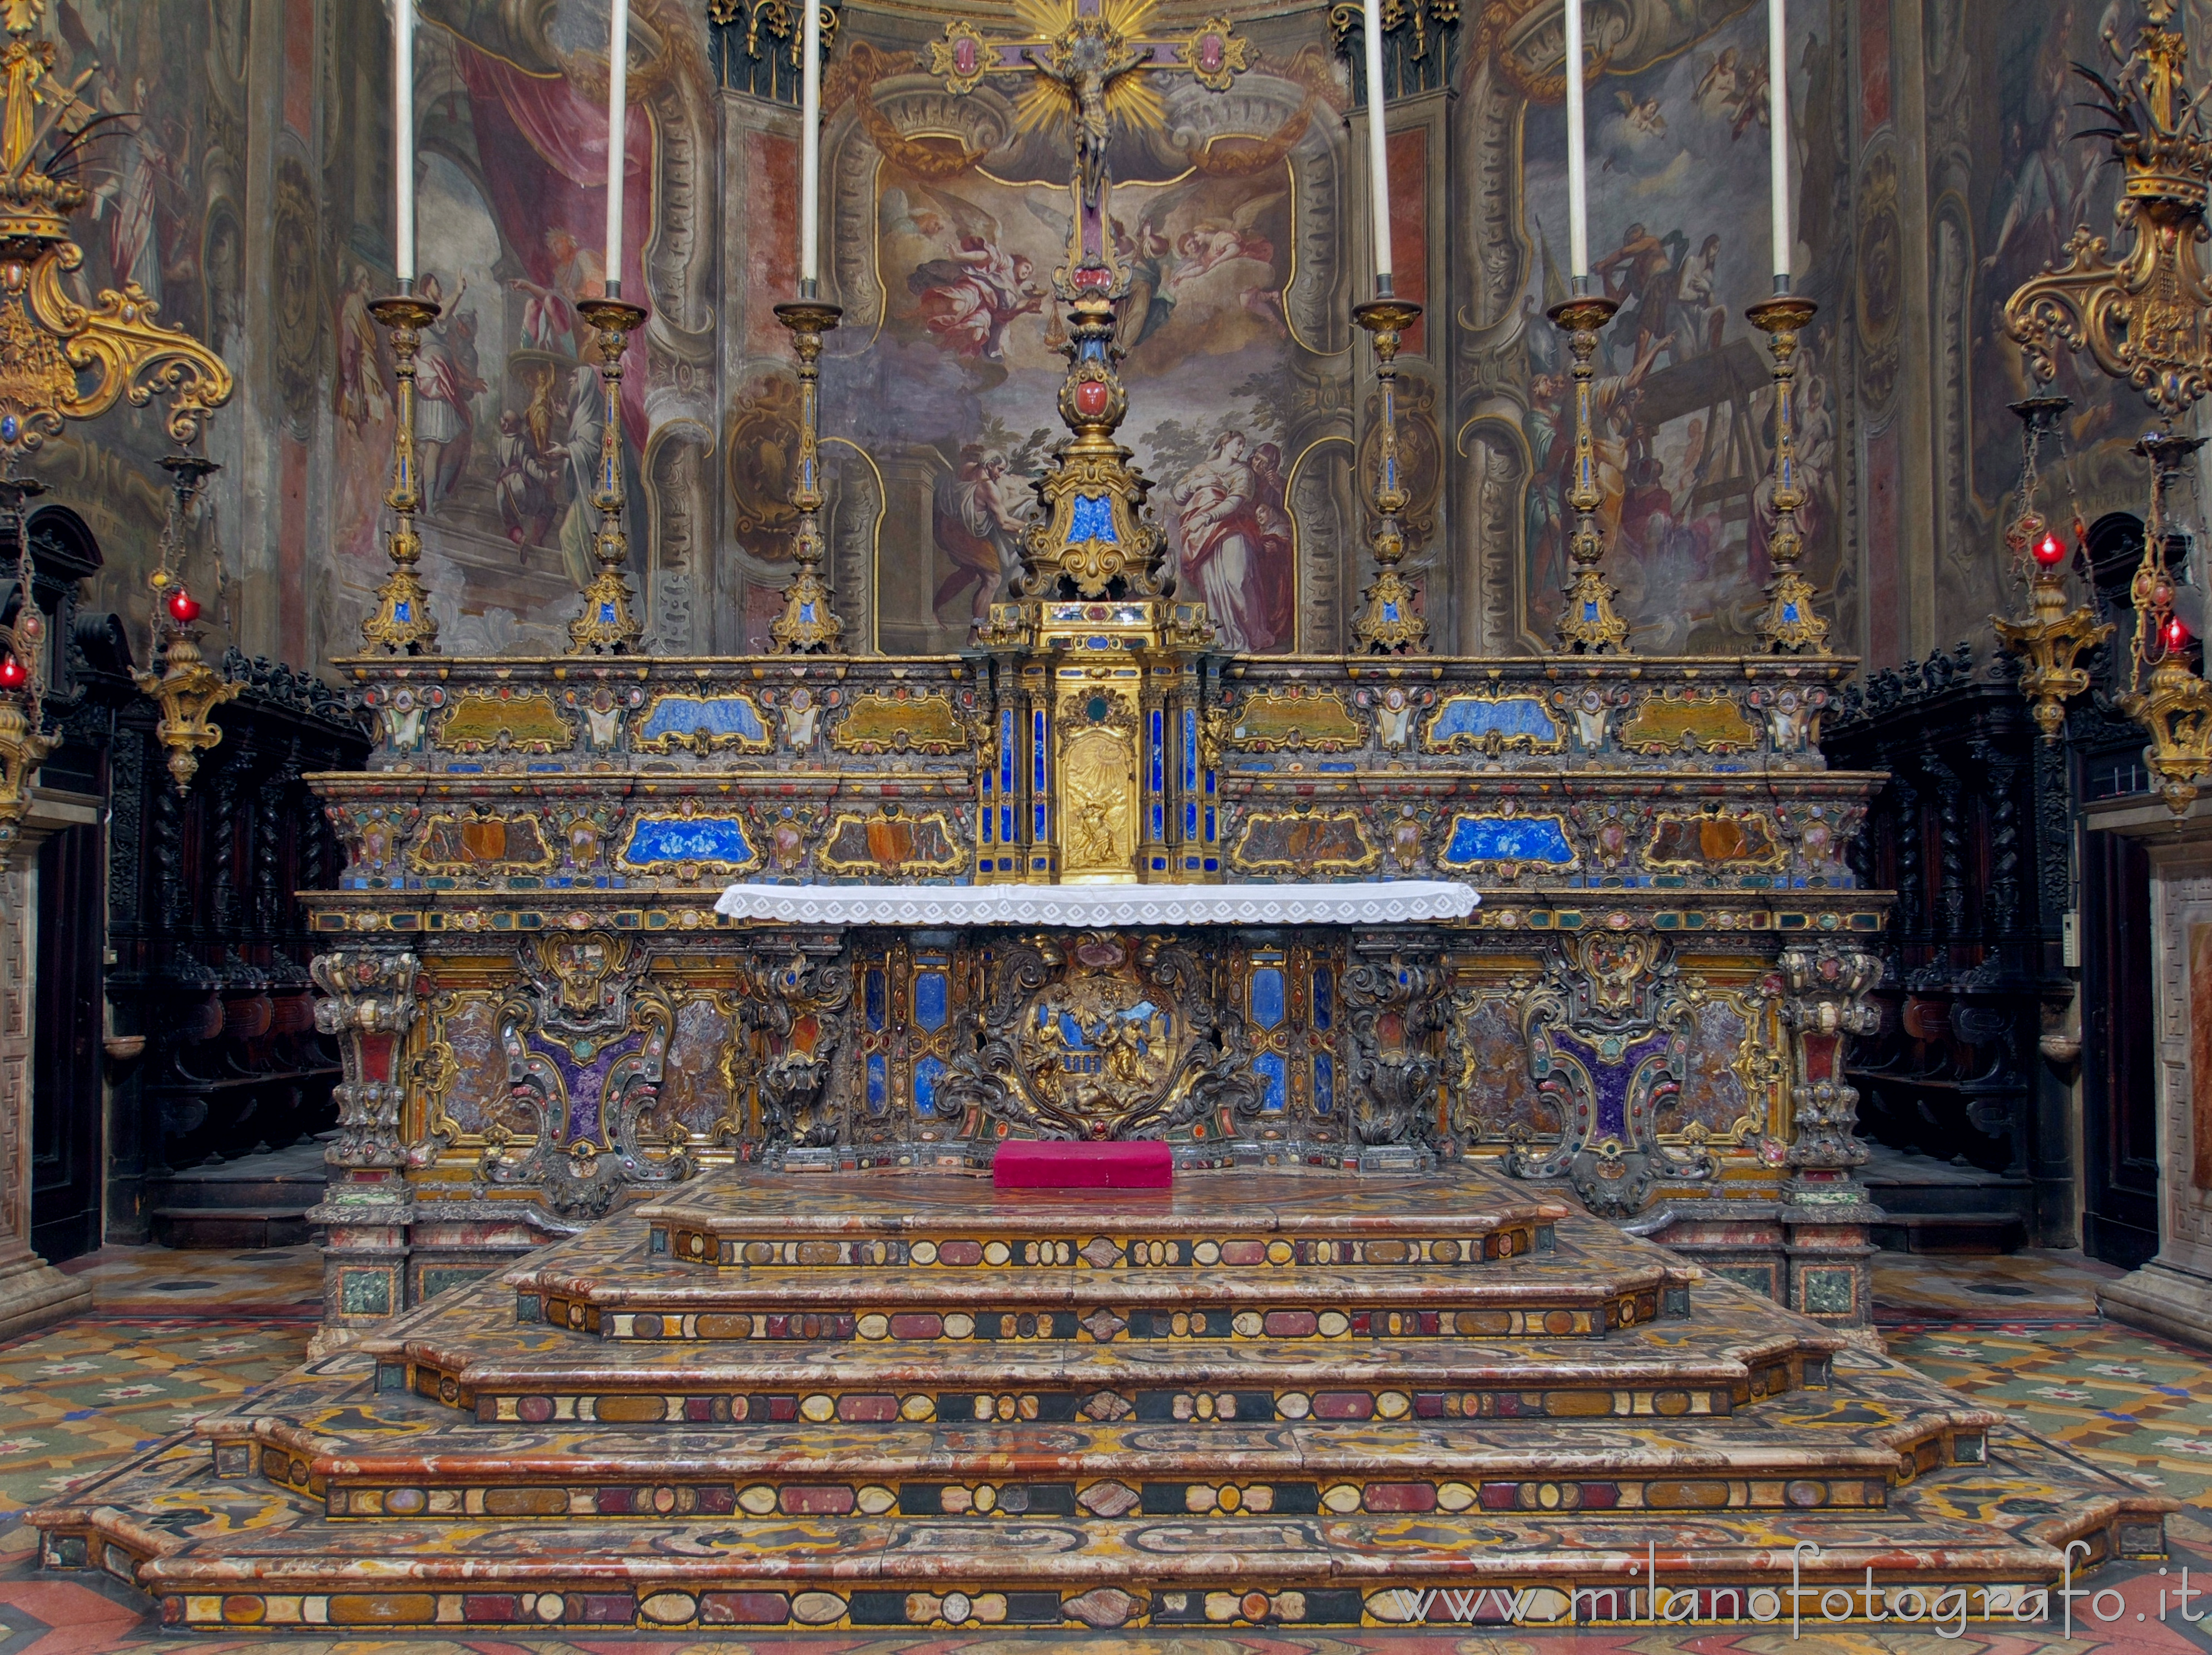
1267, 996
655, 839
1507, 839
1092, 518
880, 1083
1268, 1066
1506, 717
926, 1074
932, 999
1324, 1082
684, 716
876, 998
1324, 998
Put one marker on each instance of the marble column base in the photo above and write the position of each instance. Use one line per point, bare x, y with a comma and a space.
2162, 1298
34, 1294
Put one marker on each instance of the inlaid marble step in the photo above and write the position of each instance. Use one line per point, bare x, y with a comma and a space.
608, 1283
239, 1555
331, 1435
461, 1352
741, 1217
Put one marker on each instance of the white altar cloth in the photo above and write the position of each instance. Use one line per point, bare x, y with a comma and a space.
1381, 902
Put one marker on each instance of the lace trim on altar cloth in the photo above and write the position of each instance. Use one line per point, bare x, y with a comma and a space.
1374, 903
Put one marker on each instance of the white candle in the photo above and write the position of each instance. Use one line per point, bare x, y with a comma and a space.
403, 139
618, 129
1578, 158
1777, 103
1378, 143
810, 143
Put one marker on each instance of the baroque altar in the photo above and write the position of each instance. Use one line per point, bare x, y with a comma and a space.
589, 939
1494, 1011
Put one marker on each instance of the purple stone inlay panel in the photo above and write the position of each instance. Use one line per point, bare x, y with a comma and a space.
1611, 1078
587, 1082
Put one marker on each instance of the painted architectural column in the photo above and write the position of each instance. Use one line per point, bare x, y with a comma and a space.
2172, 1294
32, 1293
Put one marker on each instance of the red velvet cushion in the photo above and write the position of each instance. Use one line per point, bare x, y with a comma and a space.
1057, 1164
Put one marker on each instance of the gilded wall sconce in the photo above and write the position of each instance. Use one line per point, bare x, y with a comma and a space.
2055, 633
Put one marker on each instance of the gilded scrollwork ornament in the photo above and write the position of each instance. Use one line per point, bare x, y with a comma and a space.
796, 1020
2143, 316
61, 359
585, 1038
1607, 1032
1103, 1037
1397, 1017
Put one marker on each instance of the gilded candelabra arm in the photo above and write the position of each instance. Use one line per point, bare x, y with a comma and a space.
401, 624
2142, 315
1588, 624
609, 623
1389, 622
117, 348
809, 624
1789, 626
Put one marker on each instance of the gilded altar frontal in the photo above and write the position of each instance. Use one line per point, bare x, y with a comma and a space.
1109, 816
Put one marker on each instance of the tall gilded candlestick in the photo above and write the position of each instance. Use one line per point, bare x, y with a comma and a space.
1389, 622
1790, 625
608, 624
1588, 624
808, 625
401, 624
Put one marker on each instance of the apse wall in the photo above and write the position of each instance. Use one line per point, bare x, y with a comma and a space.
253, 205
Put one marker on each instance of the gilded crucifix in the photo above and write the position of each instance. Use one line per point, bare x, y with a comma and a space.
1087, 61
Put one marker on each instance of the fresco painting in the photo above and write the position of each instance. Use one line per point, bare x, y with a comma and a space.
963, 266
949, 219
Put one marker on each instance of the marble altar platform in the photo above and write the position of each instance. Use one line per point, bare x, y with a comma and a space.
875, 1401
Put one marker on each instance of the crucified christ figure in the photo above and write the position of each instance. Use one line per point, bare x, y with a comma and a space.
1083, 62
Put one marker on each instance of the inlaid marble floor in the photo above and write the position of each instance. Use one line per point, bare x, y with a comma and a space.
178, 1333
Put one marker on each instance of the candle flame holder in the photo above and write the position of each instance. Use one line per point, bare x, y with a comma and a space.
809, 624
1588, 624
1389, 622
608, 624
2054, 634
1789, 626
401, 624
